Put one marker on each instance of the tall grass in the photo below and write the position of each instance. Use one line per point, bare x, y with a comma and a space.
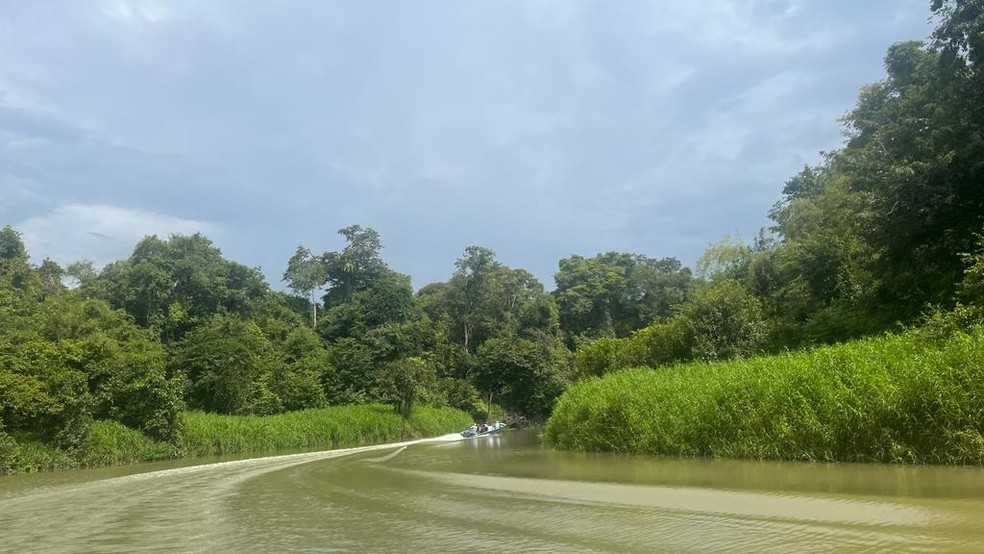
105, 443
888, 399
29, 455
334, 427
112, 443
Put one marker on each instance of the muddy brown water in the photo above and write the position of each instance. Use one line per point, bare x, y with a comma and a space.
506, 493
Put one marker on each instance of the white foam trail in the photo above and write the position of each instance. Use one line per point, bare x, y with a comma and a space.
179, 506
387, 457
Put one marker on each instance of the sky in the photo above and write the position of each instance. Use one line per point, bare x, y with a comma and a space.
537, 128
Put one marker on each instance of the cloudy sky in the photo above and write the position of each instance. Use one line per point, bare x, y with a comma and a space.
537, 128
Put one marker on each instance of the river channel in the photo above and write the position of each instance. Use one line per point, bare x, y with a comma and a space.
507, 493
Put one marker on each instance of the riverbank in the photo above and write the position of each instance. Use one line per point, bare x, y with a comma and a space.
111, 443
901, 399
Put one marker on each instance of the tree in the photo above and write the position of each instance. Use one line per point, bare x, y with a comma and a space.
175, 285
352, 269
916, 141
50, 275
403, 381
352, 375
616, 293
817, 280
301, 358
486, 299
304, 274
82, 275
469, 294
227, 365
875, 234
11, 245
65, 361
525, 376
971, 287
960, 33
723, 321
727, 258
124, 367
14, 264
385, 323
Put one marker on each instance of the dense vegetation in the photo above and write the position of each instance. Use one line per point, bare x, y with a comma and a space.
887, 399
882, 233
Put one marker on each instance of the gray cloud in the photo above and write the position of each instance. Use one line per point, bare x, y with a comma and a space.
537, 128
98, 232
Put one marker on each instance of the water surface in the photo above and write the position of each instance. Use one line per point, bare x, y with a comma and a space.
505, 493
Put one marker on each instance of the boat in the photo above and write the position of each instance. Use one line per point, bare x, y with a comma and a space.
476, 431
485, 429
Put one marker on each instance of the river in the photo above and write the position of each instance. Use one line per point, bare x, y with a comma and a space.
506, 493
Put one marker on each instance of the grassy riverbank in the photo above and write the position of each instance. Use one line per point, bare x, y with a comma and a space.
111, 443
903, 398
336, 427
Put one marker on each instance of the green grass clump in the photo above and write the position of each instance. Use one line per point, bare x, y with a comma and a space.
29, 454
333, 427
112, 443
887, 399
105, 443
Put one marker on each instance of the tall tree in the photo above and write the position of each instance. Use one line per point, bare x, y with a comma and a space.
81, 273
354, 267
304, 274
14, 263
486, 299
11, 245
50, 274
470, 293
727, 258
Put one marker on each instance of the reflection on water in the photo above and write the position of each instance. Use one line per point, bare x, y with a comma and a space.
504, 493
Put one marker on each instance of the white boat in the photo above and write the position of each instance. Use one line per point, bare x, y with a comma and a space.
484, 430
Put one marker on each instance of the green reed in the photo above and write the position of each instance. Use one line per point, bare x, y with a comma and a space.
888, 399
333, 427
112, 443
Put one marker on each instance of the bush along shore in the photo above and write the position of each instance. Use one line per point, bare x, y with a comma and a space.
907, 398
206, 434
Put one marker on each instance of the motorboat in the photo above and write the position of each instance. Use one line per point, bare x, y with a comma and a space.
483, 430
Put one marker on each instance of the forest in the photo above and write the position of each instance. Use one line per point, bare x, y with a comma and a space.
883, 235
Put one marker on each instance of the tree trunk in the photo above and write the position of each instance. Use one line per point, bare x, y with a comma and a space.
314, 311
